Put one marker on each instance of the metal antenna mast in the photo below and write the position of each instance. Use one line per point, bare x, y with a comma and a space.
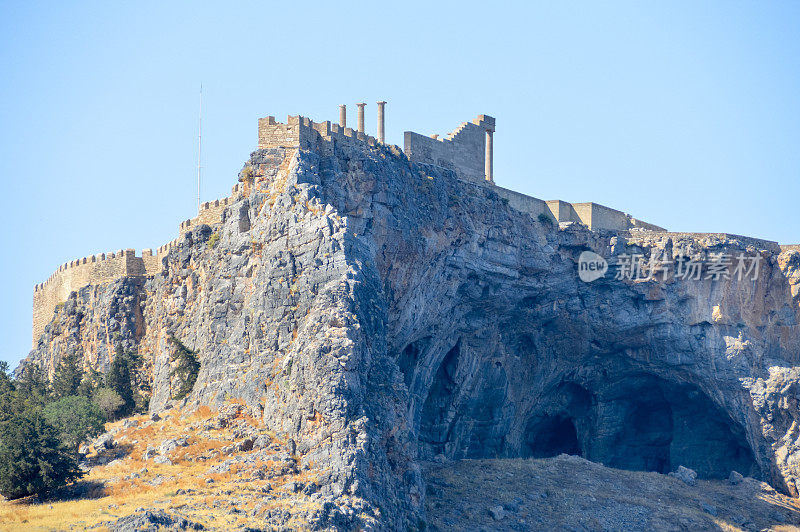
199, 146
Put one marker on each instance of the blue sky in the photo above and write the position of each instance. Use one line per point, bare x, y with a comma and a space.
684, 114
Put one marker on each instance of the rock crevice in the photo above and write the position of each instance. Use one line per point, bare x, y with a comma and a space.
380, 312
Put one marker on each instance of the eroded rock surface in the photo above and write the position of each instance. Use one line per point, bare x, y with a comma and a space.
378, 312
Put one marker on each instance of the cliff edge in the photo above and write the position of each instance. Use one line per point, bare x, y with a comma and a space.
379, 311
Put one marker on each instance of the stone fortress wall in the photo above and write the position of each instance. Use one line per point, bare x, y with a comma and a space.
592, 215
467, 151
105, 267
302, 132
464, 150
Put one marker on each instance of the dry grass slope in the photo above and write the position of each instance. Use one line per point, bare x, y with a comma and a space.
205, 481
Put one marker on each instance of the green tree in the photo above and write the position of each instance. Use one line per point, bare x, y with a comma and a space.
31, 389
7, 393
118, 379
91, 382
68, 374
108, 401
33, 460
186, 368
139, 381
75, 418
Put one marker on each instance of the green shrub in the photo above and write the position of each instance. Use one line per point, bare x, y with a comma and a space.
33, 460
544, 219
75, 418
246, 174
186, 369
92, 380
108, 401
118, 379
214, 240
68, 374
126, 377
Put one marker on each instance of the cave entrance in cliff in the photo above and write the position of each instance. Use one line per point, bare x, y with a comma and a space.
438, 409
639, 422
645, 423
561, 426
552, 436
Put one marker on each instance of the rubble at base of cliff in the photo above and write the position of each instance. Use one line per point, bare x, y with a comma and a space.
570, 493
194, 470
371, 313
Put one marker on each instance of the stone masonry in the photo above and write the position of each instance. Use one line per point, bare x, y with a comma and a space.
105, 267
381, 312
467, 151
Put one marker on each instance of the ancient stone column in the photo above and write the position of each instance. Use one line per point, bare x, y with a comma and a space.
361, 117
343, 116
381, 130
489, 159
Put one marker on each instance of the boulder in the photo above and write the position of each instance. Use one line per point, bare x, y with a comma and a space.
169, 445
497, 513
153, 521
104, 441
686, 475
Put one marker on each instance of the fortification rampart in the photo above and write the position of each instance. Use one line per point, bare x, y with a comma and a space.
465, 151
302, 132
210, 212
95, 269
106, 267
592, 215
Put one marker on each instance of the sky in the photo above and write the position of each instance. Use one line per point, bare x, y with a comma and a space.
683, 114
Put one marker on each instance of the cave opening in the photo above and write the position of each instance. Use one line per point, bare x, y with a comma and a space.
551, 437
618, 417
641, 423
408, 359
439, 408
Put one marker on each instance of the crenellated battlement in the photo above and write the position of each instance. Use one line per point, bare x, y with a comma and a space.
105, 267
302, 132
102, 262
467, 151
94, 269
210, 211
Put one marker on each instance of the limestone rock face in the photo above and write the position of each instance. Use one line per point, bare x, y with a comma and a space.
93, 321
378, 313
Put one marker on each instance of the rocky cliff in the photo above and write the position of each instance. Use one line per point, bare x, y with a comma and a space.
379, 313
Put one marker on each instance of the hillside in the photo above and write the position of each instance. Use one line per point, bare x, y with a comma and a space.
570, 493
382, 312
218, 470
